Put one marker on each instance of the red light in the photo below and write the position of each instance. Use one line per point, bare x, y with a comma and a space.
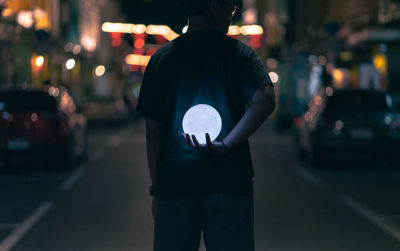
139, 43
151, 51
255, 43
139, 35
138, 51
134, 68
116, 39
160, 39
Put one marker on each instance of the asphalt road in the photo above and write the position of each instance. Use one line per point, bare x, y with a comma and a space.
104, 205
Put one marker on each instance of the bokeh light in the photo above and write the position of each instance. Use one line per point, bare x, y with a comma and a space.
274, 77
100, 70
68, 47
329, 91
39, 61
272, 63
70, 64
139, 43
77, 49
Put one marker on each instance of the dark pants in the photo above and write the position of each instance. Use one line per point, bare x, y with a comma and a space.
226, 220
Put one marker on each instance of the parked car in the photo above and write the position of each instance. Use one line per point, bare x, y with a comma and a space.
348, 123
36, 126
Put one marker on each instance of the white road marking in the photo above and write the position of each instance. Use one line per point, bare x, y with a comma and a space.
8, 226
202, 246
23, 228
73, 178
307, 175
371, 216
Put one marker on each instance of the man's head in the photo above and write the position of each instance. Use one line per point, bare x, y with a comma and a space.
216, 13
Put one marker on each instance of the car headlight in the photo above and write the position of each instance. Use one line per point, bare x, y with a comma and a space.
388, 119
394, 125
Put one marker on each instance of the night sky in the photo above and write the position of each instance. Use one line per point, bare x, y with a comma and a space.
147, 12
166, 12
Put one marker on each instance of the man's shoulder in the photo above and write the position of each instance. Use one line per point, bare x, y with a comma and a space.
239, 47
164, 50
175, 46
243, 49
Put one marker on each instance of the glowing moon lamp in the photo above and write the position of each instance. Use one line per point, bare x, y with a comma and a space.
202, 119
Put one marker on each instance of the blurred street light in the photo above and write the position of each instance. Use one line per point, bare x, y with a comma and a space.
88, 43
251, 30
54, 91
68, 47
134, 59
25, 19
168, 33
76, 49
272, 63
70, 64
100, 70
274, 77
7, 12
329, 91
380, 63
234, 30
338, 77
39, 61
139, 43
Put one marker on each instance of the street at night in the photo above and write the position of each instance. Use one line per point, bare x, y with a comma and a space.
199, 125
104, 204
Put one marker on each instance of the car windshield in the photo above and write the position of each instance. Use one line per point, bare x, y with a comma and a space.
353, 102
27, 102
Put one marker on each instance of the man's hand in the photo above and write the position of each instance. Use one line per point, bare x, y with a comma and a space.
214, 147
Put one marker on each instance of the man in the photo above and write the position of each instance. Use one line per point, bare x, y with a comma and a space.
204, 187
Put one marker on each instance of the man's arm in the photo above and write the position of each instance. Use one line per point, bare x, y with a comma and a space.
153, 142
261, 106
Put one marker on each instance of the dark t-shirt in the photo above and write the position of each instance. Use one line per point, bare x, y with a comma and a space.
201, 67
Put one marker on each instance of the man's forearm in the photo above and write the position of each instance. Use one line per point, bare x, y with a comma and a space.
153, 154
252, 119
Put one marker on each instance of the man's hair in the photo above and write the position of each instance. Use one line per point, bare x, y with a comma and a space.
193, 7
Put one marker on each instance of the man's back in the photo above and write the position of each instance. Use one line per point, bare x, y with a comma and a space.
201, 67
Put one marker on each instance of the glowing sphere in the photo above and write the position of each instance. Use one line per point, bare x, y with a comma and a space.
202, 119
